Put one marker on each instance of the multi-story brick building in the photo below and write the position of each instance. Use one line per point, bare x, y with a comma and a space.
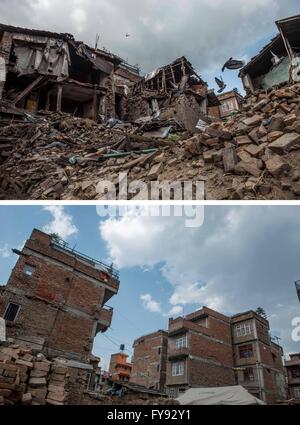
119, 367
230, 102
257, 359
149, 362
293, 375
55, 298
209, 349
199, 352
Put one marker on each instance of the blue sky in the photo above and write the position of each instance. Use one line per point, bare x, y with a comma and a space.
241, 258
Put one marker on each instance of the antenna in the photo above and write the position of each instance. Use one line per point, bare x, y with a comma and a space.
97, 41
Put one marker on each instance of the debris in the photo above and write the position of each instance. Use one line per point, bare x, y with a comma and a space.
229, 159
19, 380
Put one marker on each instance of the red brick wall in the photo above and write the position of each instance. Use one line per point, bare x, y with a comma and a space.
150, 361
59, 302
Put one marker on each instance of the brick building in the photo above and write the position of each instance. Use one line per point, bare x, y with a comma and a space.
55, 298
230, 102
257, 359
149, 362
293, 375
209, 349
119, 367
199, 352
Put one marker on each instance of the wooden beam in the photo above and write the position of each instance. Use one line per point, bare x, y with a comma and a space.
28, 89
59, 97
95, 105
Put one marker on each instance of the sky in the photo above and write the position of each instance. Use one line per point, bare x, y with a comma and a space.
207, 32
242, 257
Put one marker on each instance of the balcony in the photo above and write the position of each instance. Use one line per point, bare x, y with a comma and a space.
177, 353
179, 347
104, 318
249, 384
176, 326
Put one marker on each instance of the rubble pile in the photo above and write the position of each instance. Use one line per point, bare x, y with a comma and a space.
254, 155
30, 379
91, 398
62, 156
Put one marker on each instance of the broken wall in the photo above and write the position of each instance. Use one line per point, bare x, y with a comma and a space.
185, 109
277, 75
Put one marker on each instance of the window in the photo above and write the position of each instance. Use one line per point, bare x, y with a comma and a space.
172, 393
246, 351
12, 312
88, 381
181, 342
297, 392
228, 106
159, 351
178, 369
295, 372
158, 368
243, 329
28, 270
248, 374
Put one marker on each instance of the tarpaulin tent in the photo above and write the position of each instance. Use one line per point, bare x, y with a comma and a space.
235, 395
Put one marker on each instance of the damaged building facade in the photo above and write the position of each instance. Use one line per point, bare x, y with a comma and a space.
55, 302
41, 70
278, 62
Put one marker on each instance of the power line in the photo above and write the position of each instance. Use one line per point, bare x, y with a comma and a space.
115, 343
129, 321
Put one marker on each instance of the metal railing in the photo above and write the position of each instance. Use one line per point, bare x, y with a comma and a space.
99, 265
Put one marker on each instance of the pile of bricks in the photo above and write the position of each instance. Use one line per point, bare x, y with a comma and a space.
28, 378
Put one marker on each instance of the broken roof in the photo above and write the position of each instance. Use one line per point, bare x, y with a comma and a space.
69, 38
263, 56
173, 65
290, 26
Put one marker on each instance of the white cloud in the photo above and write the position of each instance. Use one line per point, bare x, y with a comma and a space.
208, 32
241, 258
177, 310
5, 251
61, 223
150, 304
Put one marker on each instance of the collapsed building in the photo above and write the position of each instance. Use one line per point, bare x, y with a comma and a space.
174, 91
41, 70
278, 62
55, 304
207, 349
